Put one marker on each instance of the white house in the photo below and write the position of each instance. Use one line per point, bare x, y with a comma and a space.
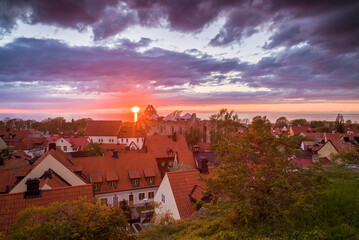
103, 131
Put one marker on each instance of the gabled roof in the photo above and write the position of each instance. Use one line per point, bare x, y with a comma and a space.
186, 158
79, 142
332, 136
342, 146
161, 144
16, 160
300, 129
14, 134
12, 204
103, 128
53, 180
130, 162
315, 136
182, 184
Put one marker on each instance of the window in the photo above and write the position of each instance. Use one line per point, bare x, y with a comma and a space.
135, 182
150, 180
122, 140
103, 201
74, 149
151, 195
170, 153
112, 185
163, 198
141, 196
97, 187
65, 148
127, 140
115, 201
138, 139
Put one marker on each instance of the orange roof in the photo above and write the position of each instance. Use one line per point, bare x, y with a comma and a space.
134, 173
182, 184
7, 180
53, 182
315, 136
112, 146
16, 160
204, 146
95, 177
14, 134
12, 204
331, 136
149, 172
79, 142
160, 145
111, 176
186, 158
132, 161
300, 129
103, 128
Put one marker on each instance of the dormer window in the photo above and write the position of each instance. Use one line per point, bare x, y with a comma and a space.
135, 182
150, 180
112, 185
134, 177
170, 153
96, 187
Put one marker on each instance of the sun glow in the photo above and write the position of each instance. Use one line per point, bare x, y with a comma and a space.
135, 110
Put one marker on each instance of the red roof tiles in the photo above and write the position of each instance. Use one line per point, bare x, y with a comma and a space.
182, 184
79, 142
149, 172
111, 176
103, 128
135, 162
160, 145
12, 204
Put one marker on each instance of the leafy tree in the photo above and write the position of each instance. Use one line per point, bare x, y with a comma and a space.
339, 123
6, 151
281, 122
346, 157
94, 149
81, 132
70, 220
224, 125
299, 122
193, 137
255, 179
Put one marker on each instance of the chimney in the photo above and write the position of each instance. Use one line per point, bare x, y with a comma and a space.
203, 165
196, 148
174, 137
33, 189
115, 154
52, 146
61, 134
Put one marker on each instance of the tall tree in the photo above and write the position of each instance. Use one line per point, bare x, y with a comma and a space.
224, 125
339, 123
257, 181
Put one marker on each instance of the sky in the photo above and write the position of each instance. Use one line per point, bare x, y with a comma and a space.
103, 57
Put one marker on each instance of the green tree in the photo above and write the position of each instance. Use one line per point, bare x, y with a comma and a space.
299, 122
94, 149
256, 181
281, 122
224, 125
339, 123
6, 151
193, 137
70, 220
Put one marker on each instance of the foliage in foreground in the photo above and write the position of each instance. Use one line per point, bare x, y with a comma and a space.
70, 220
335, 215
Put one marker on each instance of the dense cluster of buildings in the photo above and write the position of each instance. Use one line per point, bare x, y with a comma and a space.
134, 168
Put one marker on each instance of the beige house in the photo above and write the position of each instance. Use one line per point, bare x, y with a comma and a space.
57, 164
334, 147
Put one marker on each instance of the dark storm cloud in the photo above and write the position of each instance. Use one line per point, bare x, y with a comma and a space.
35, 69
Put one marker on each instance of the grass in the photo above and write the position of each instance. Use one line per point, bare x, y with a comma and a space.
335, 215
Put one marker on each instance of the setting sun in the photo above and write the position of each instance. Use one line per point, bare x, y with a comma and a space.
135, 110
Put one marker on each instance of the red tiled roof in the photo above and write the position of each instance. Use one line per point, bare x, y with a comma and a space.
132, 161
149, 172
15, 134
12, 204
182, 183
342, 146
111, 176
79, 142
95, 177
300, 129
331, 136
186, 158
53, 182
16, 160
315, 136
134, 173
161, 144
204, 147
7, 180
103, 128
111, 146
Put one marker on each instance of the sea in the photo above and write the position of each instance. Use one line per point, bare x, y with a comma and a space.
272, 116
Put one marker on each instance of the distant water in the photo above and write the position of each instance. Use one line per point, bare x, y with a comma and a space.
272, 116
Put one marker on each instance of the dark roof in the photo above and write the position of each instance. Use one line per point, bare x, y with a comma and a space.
210, 156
